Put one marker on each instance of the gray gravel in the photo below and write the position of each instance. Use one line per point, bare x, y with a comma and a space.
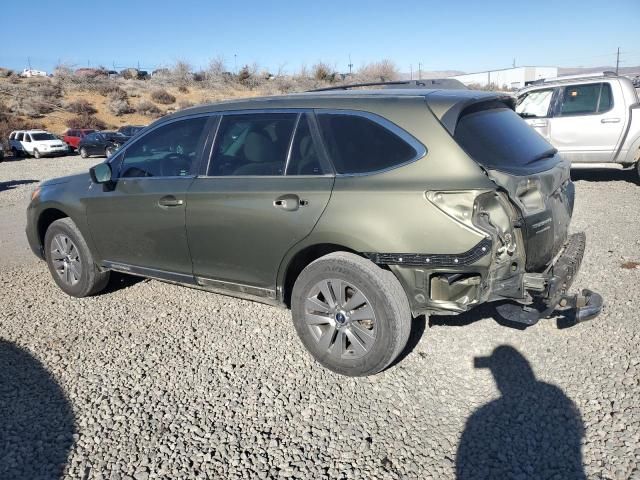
151, 380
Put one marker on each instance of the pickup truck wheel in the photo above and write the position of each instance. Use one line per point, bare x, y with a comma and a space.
70, 261
36, 153
352, 316
83, 152
638, 170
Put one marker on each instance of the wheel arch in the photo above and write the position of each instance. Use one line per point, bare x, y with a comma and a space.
46, 218
298, 261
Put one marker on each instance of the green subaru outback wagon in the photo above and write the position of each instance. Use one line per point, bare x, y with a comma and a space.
356, 209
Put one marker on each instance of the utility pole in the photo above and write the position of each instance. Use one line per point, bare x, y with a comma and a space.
514, 62
235, 63
617, 60
419, 71
350, 64
29, 62
411, 71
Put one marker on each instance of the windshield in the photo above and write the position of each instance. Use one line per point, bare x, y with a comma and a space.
498, 139
42, 136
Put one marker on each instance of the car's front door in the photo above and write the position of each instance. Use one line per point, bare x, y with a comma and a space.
588, 124
535, 107
266, 186
139, 223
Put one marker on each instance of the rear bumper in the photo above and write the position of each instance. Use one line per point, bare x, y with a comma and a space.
550, 289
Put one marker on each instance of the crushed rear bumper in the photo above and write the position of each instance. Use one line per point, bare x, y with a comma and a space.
550, 289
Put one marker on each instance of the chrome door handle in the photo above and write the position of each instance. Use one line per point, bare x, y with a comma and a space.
170, 201
610, 120
289, 202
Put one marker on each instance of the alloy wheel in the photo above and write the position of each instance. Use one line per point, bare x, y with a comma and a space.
341, 319
66, 259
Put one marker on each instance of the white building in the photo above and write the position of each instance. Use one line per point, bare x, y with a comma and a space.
511, 78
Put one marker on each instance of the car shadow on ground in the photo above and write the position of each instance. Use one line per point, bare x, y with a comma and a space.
605, 175
533, 430
36, 418
15, 183
120, 281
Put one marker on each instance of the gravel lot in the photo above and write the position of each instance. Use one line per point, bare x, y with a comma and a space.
151, 380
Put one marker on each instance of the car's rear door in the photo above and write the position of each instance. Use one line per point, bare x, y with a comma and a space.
266, 186
588, 123
138, 225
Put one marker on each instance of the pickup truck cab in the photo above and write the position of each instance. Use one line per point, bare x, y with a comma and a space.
593, 119
37, 143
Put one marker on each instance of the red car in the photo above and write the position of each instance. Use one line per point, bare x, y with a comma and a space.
73, 136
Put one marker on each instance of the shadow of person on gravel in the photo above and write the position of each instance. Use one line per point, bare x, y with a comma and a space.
36, 419
532, 431
14, 183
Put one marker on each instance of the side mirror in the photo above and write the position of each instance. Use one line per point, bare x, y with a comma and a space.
101, 173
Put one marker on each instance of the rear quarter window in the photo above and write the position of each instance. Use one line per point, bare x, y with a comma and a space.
498, 139
365, 144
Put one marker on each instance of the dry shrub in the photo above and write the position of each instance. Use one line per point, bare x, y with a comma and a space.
81, 107
183, 89
185, 104
382, 71
323, 72
148, 109
163, 97
119, 106
86, 121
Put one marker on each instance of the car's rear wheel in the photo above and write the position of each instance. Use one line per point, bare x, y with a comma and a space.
351, 315
36, 153
108, 152
70, 261
83, 152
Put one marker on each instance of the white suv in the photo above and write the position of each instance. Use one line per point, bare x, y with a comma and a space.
38, 143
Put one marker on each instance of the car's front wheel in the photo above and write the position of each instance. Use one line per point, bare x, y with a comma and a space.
351, 315
70, 261
83, 152
36, 153
108, 152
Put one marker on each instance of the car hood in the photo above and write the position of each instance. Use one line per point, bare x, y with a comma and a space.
79, 177
50, 143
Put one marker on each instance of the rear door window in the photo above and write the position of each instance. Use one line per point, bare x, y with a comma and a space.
252, 144
498, 139
365, 144
19, 137
585, 99
305, 155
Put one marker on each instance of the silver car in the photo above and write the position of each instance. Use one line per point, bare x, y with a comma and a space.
592, 119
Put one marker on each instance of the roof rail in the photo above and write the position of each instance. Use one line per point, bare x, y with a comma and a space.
579, 76
422, 83
370, 84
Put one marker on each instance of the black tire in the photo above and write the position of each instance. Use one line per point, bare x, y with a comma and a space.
383, 293
637, 169
83, 153
36, 153
90, 280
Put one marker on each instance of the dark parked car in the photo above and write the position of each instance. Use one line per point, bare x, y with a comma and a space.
130, 130
101, 143
356, 209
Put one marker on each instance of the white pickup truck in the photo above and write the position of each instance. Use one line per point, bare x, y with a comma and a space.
592, 119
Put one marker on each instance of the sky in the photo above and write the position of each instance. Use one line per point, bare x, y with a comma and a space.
283, 35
